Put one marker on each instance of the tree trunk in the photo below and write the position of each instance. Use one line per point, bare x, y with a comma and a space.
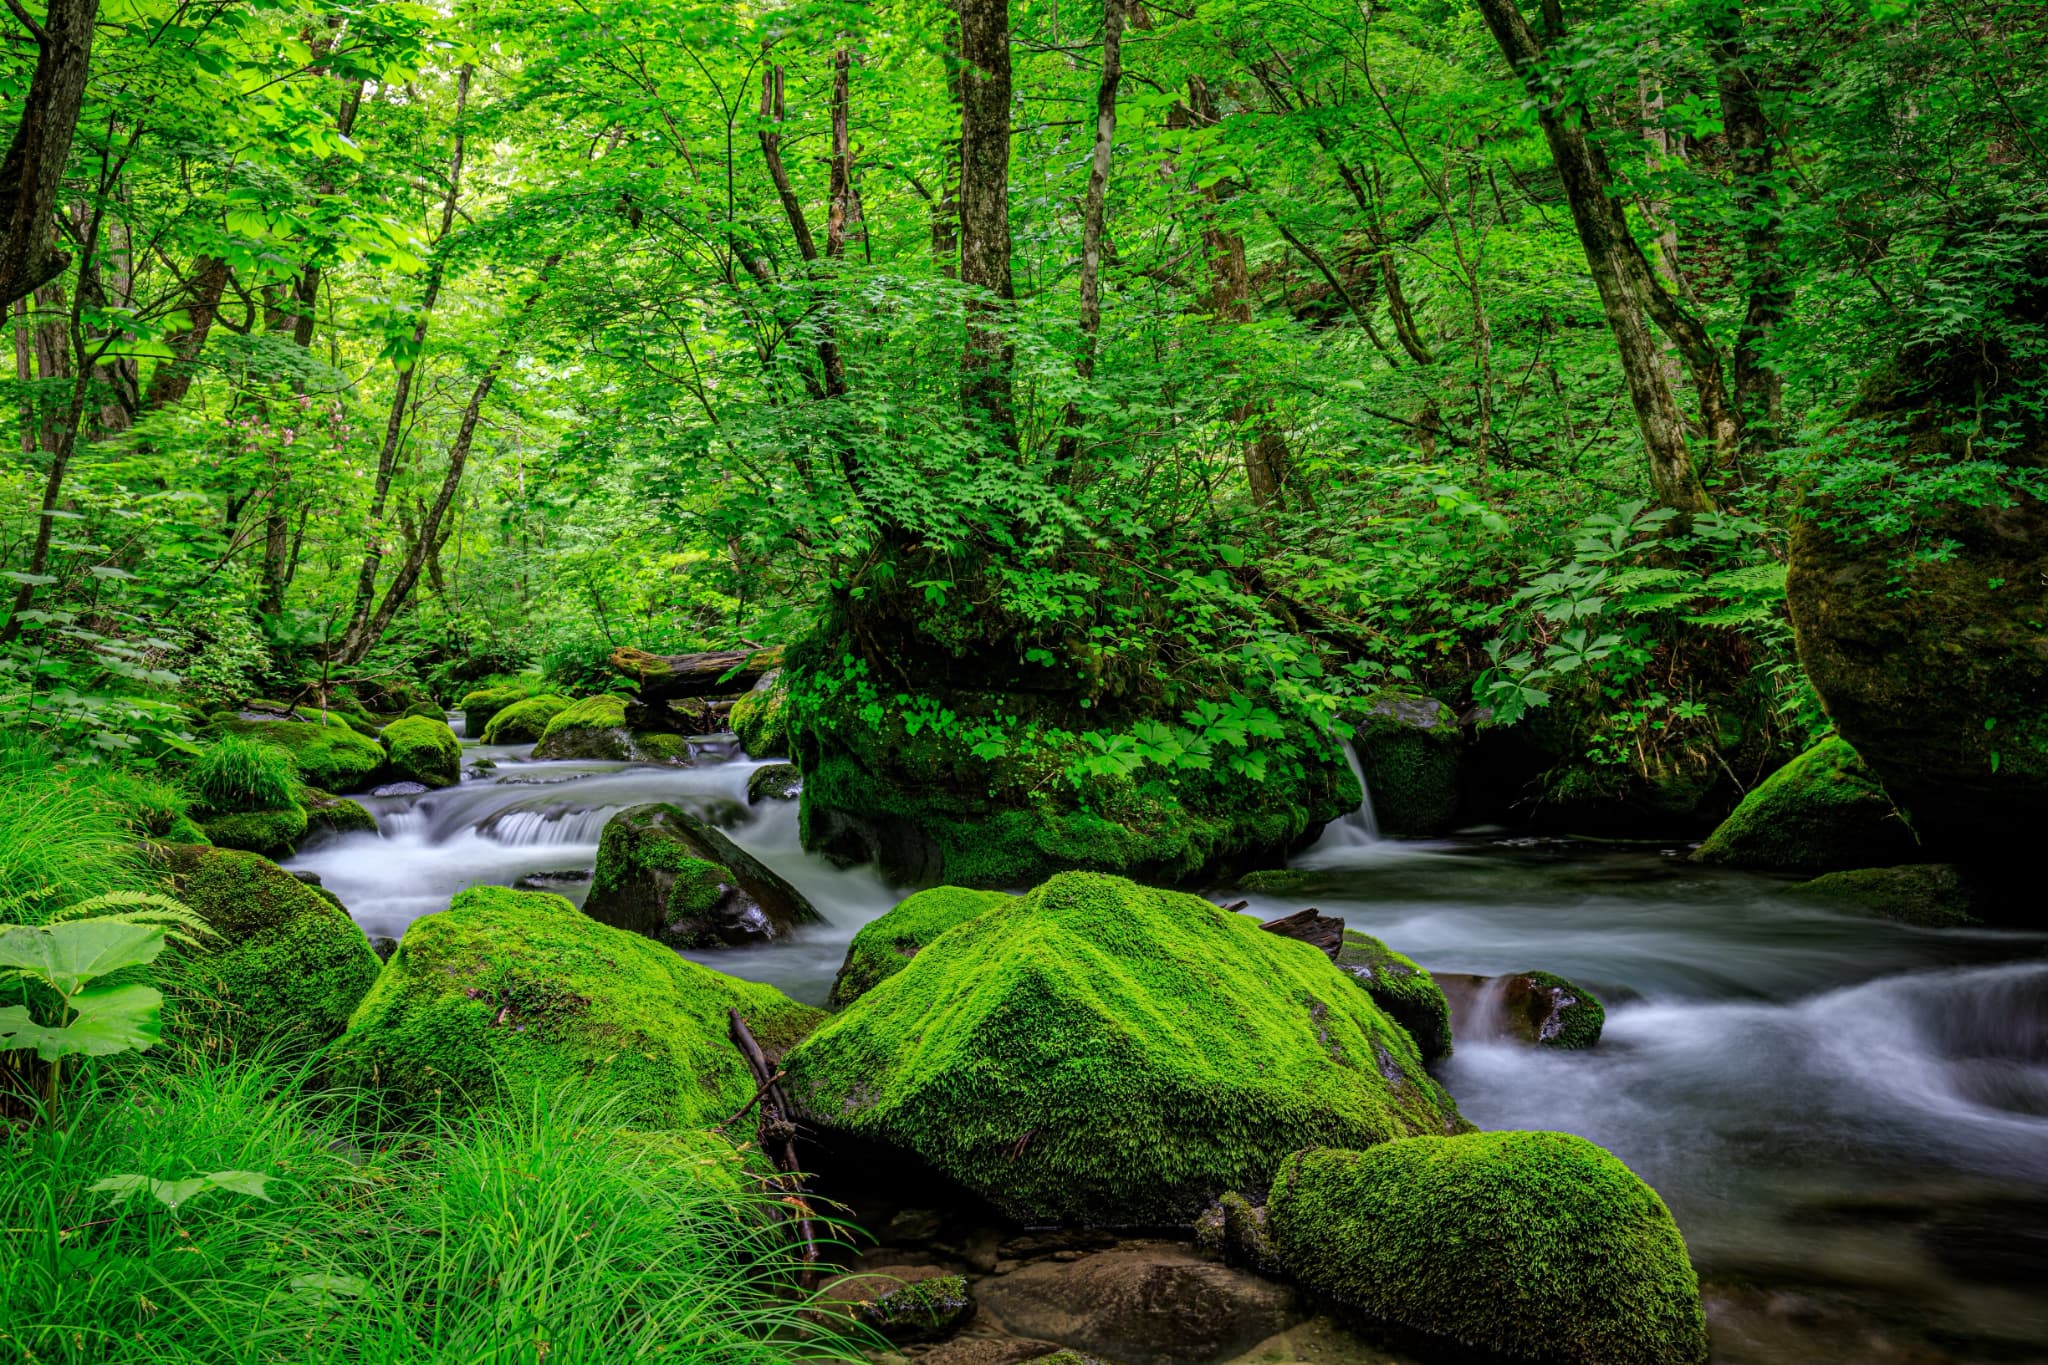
1093, 209
172, 378
1622, 277
1759, 393
985, 212
840, 208
33, 169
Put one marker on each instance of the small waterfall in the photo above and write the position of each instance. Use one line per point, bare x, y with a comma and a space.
1360, 827
458, 721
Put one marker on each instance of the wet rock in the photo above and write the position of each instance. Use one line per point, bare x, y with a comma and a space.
1246, 1243
1409, 995
401, 789
1144, 1303
1931, 895
336, 814
911, 1227
1045, 1241
1408, 747
776, 782
383, 947
988, 1350
1821, 812
665, 873
548, 881
905, 1304
1526, 1007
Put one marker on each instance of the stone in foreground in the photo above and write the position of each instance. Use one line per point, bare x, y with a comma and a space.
664, 873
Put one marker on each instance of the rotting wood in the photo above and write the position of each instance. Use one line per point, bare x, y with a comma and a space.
1311, 926
718, 673
777, 1133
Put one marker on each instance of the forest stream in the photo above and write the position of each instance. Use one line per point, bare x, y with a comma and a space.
1848, 1116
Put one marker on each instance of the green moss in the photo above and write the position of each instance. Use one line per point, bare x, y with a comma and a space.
665, 873
289, 963
885, 944
424, 708
1408, 994
923, 1310
1101, 1052
336, 813
592, 728
151, 807
1931, 895
1535, 1246
507, 993
425, 750
1409, 747
659, 746
760, 720
524, 722
332, 756
273, 833
1561, 1013
1821, 812
776, 782
479, 705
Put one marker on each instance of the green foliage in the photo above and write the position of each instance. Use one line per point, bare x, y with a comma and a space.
240, 774
424, 749
61, 838
886, 943
1099, 1052
1536, 1246
74, 1011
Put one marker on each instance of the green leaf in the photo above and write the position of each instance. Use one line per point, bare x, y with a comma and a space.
67, 956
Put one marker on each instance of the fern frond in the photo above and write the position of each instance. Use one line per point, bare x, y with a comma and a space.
179, 921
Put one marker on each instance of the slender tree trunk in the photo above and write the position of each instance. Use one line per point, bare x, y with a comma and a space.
24, 360
985, 212
840, 208
1759, 392
53, 354
172, 378
33, 170
1094, 206
945, 213
1623, 279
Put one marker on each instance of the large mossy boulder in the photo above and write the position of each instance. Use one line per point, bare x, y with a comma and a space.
1527, 1247
760, 719
506, 994
596, 728
289, 964
1409, 748
1408, 994
336, 814
1101, 1052
424, 750
1822, 811
271, 833
524, 722
331, 755
1929, 895
664, 873
480, 705
886, 944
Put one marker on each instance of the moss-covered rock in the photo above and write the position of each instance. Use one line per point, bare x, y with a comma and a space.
480, 704
776, 782
1931, 895
1408, 747
904, 1305
424, 750
1101, 1052
507, 993
289, 963
272, 833
524, 722
1822, 811
1405, 991
331, 756
760, 719
664, 873
1537, 1247
336, 814
596, 727
1540, 1008
885, 944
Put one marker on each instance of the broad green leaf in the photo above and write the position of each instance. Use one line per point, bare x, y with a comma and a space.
67, 956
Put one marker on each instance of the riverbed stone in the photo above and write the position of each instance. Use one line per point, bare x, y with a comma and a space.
508, 994
664, 873
1931, 895
906, 1305
424, 749
1534, 1246
525, 721
1824, 811
1408, 994
776, 782
1549, 1011
1105, 1053
336, 814
289, 965
760, 718
885, 944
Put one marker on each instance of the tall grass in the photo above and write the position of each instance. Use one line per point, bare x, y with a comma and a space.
61, 838
540, 1237
240, 774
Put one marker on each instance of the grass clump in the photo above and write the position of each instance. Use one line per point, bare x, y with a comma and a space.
241, 774
1102, 1052
524, 722
64, 834
885, 944
1533, 1246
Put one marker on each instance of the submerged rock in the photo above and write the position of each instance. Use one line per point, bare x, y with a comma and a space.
1822, 811
1408, 994
905, 1305
424, 749
401, 789
506, 994
776, 782
524, 722
289, 963
1101, 1052
886, 943
1931, 895
664, 873
1533, 1246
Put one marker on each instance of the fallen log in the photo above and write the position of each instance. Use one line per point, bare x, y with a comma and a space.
1311, 926
720, 673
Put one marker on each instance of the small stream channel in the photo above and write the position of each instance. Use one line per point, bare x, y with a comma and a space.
1848, 1117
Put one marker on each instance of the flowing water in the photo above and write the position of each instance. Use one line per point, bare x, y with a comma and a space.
1848, 1117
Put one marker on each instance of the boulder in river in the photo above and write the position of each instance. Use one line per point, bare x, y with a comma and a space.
271, 833
1931, 895
665, 873
1821, 812
525, 721
1409, 747
425, 750
1408, 994
289, 963
1528, 1246
760, 718
904, 1305
506, 994
480, 705
596, 728
1101, 1052
1523, 1007
776, 782
336, 814
331, 755
886, 943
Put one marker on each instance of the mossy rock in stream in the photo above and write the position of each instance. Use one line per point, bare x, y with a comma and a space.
1408, 994
289, 963
760, 719
1409, 747
524, 722
1536, 1247
331, 756
1106, 1053
1930, 895
666, 874
480, 705
508, 994
335, 814
886, 944
425, 750
1822, 812
271, 833
596, 728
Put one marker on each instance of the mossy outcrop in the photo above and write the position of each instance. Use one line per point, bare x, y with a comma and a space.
335, 814
331, 756
271, 833
1101, 1052
1408, 994
596, 727
1537, 1247
887, 943
666, 874
524, 722
508, 993
1821, 812
1409, 748
289, 963
776, 782
1930, 895
760, 719
425, 750
480, 705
